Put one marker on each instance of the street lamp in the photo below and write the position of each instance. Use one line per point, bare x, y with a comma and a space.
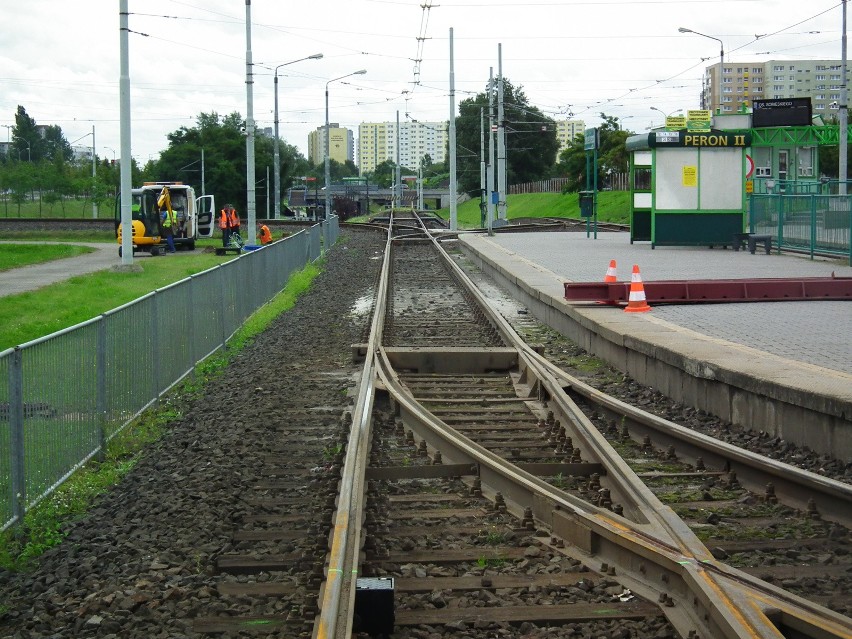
721, 45
113, 152
666, 115
327, 145
277, 157
94, 173
721, 58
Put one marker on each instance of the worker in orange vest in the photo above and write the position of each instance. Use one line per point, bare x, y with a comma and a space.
265, 234
225, 224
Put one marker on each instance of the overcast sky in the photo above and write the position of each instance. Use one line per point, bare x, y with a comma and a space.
60, 59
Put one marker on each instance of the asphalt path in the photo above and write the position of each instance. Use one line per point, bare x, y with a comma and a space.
35, 276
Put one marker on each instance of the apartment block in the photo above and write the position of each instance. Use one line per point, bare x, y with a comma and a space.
377, 142
727, 87
341, 144
566, 130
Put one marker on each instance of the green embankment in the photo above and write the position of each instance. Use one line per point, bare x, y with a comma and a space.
613, 206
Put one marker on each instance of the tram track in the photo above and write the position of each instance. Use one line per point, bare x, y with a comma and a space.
614, 523
437, 464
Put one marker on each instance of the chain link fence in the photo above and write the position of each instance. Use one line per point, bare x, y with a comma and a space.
72, 391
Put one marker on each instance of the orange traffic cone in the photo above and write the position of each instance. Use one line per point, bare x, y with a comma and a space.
608, 278
636, 301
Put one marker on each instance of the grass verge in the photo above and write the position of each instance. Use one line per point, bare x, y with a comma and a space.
30, 315
18, 255
42, 527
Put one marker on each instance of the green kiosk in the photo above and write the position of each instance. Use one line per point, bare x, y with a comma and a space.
688, 186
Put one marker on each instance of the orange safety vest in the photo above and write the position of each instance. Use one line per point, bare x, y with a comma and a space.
265, 234
223, 219
234, 219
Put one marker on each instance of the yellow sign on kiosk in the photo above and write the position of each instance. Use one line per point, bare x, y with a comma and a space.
698, 120
675, 122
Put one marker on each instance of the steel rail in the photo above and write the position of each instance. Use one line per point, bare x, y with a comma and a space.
799, 488
337, 599
698, 593
701, 577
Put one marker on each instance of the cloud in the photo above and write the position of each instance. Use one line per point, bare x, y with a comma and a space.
619, 57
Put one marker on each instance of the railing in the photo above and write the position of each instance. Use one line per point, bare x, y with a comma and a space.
816, 224
612, 182
802, 186
69, 393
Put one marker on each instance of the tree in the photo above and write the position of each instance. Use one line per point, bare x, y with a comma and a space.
531, 143
26, 141
56, 144
224, 143
384, 175
612, 155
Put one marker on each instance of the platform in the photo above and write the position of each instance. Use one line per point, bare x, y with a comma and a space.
782, 367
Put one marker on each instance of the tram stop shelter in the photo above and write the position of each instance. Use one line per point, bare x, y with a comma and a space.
688, 185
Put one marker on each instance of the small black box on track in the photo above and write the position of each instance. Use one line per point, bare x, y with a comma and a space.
374, 608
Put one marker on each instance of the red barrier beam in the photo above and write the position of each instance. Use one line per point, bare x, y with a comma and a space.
716, 291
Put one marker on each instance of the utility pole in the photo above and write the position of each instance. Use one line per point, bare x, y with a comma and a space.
251, 213
397, 195
454, 205
94, 177
490, 210
501, 139
844, 114
124, 108
482, 163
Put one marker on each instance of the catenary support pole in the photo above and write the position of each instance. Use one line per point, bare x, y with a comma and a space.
251, 205
125, 177
454, 214
482, 162
491, 208
501, 139
94, 177
844, 113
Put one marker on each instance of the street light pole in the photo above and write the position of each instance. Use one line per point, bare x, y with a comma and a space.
277, 156
721, 55
843, 155
665, 115
328, 146
95, 176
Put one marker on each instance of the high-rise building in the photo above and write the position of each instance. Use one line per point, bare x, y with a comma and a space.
377, 143
567, 130
742, 82
341, 144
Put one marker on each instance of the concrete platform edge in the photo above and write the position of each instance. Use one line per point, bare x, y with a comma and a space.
746, 386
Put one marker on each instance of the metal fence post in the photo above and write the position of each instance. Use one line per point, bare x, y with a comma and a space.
16, 434
849, 219
813, 225
100, 390
155, 350
191, 351
222, 309
780, 219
